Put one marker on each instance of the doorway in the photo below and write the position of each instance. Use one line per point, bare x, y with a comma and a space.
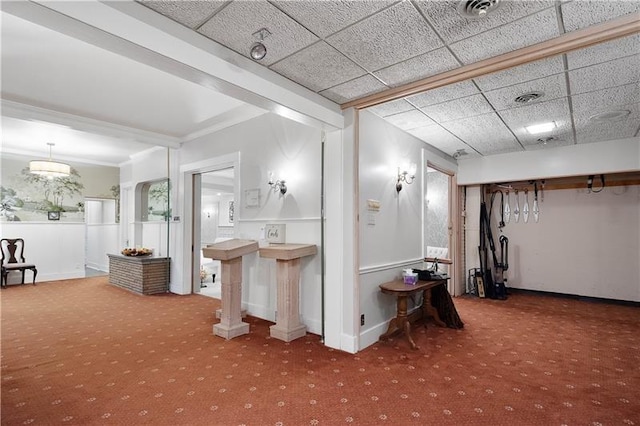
213, 221
439, 230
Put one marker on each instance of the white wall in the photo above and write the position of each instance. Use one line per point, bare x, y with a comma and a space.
584, 244
262, 144
574, 160
57, 250
392, 238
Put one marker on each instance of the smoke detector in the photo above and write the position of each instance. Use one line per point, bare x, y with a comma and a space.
477, 9
459, 153
529, 97
609, 116
547, 140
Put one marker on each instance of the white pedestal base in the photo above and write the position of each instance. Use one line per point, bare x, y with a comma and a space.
287, 335
229, 332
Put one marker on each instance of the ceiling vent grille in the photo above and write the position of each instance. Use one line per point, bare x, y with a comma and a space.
474, 9
528, 97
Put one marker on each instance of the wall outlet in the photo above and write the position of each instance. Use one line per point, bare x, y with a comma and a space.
362, 319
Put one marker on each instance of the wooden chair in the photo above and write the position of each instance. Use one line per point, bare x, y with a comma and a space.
13, 259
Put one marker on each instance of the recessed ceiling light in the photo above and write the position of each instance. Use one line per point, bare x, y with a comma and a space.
528, 97
610, 116
541, 128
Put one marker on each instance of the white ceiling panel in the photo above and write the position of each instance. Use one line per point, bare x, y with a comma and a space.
618, 72
592, 103
189, 13
327, 17
551, 87
458, 108
390, 108
430, 63
46, 69
486, 133
454, 27
444, 94
584, 13
318, 67
232, 28
520, 74
539, 27
356, 88
409, 120
440, 138
604, 52
29, 137
391, 36
558, 139
590, 131
556, 110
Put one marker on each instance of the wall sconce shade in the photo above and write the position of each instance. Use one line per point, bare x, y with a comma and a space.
406, 175
277, 185
49, 168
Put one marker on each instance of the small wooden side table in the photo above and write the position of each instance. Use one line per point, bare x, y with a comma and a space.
402, 291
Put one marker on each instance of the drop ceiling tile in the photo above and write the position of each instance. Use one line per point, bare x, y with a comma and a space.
555, 110
354, 89
592, 131
551, 87
327, 17
486, 133
453, 27
390, 108
235, 25
391, 36
422, 66
458, 108
606, 100
618, 72
189, 13
584, 13
539, 27
521, 73
444, 94
409, 120
318, 67
604, 52
559, 139
440, 138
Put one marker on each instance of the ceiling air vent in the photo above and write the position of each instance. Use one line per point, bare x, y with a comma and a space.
474, 9
528, 97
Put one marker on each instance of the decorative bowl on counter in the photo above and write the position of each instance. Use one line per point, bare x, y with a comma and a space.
141, 251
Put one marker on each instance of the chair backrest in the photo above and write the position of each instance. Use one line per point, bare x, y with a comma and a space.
12, 250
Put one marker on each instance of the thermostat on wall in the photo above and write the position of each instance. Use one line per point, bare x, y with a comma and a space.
275, 233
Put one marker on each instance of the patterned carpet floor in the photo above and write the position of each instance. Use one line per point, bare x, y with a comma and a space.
82, 352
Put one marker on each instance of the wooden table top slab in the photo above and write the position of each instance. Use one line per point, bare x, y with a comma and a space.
399, 287
288, 251
230, 249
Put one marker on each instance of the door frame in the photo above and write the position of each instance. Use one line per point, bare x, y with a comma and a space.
191, 264
456, 285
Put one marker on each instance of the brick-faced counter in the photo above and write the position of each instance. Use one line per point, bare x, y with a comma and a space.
140, 274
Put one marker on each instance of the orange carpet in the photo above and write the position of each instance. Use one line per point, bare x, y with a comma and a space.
82, 352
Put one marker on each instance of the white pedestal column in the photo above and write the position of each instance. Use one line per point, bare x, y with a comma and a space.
288, 326
231, 324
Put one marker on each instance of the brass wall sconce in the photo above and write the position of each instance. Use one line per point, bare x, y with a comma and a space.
406, 175
277, 185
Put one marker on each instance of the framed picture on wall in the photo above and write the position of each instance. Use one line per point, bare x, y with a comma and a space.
53, 215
